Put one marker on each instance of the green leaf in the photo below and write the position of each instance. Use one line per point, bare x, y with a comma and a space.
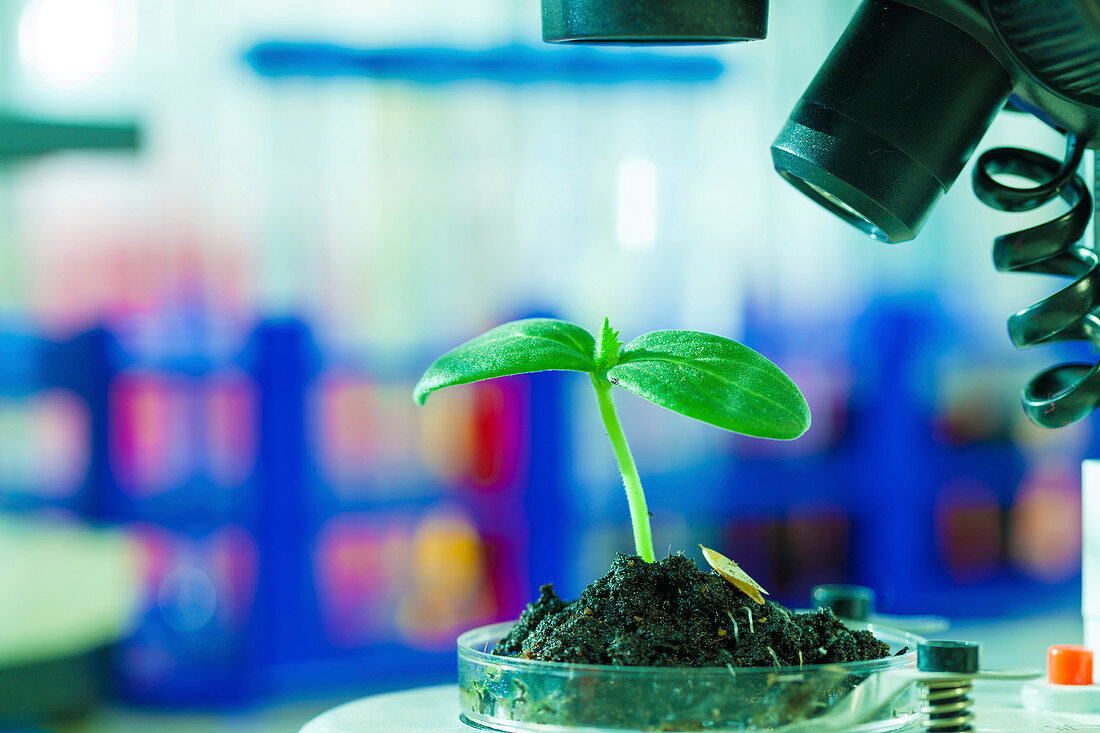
519, 347
715, 380
607, 355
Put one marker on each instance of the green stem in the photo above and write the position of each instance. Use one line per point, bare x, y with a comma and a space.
639, 514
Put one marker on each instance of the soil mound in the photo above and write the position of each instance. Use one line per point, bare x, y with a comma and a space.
669, 613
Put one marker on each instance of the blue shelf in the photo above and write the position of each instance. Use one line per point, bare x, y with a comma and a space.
505, 65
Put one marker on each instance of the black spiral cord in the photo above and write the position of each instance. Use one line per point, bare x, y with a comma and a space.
1064, 393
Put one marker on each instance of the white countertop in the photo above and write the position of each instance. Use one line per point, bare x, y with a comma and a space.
1010, 643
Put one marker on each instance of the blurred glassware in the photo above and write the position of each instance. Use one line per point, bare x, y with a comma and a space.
68, 591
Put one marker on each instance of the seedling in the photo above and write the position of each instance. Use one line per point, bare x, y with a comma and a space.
700, 375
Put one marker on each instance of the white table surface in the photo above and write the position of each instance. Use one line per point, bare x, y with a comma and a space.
1013, 643
435, 710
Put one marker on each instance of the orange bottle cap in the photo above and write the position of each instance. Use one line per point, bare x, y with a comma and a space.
1069, 664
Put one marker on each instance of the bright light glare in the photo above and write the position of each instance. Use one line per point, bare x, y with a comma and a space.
637, 205
68, 43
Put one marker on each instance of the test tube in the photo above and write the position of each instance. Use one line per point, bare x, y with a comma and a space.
1090, 551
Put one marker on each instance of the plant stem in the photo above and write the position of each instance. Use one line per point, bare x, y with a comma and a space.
639, 514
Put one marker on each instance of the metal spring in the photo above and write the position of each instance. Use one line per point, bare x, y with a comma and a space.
947, 704
1064, 393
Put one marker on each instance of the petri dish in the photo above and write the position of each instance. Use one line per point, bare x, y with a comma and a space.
519, 695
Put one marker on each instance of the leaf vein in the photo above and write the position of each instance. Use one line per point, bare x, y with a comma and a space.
685, 364
513, 336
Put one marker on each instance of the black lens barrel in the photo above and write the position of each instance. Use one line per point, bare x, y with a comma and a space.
647, 22
891, 118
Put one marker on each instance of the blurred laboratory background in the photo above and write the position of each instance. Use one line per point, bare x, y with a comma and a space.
233, 234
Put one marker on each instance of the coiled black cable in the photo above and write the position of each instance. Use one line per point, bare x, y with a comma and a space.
1064, 393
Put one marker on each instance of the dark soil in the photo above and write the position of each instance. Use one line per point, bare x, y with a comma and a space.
669, 613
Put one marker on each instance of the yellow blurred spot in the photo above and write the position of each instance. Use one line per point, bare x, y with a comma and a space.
448, 589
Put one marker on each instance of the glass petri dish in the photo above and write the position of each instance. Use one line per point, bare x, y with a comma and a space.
518, 695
